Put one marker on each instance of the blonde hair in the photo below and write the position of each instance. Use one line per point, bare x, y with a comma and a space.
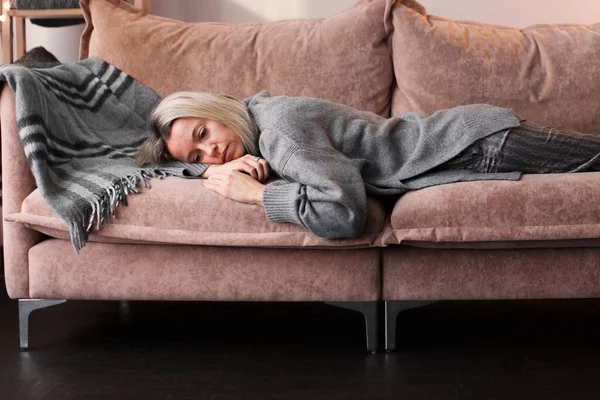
222, 108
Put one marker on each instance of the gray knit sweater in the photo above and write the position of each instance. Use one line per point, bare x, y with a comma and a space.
331, 156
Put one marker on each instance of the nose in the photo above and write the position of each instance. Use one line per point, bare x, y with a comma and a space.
210, 150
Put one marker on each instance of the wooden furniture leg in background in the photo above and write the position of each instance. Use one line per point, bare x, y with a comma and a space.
20, 36
7, 40
145, 5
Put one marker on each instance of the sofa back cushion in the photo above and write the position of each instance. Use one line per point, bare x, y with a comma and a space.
549, 74
343, 58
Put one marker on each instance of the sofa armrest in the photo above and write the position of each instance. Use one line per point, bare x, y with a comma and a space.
17, 184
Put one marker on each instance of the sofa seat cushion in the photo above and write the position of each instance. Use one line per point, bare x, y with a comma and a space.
553, 207
183, 211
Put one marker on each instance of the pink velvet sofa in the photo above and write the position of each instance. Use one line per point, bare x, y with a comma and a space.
534, 238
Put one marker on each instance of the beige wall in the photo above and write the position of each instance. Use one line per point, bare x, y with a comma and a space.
63, 41
510, 12
239, 11
520, 13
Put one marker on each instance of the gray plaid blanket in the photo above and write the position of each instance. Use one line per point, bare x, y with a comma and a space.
81, 124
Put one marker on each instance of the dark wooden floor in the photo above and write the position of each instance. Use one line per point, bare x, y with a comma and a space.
451, 350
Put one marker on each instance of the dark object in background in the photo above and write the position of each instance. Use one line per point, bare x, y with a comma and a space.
50, 4
38, 57
44, 4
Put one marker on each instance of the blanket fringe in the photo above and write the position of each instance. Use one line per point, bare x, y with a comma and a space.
104, 207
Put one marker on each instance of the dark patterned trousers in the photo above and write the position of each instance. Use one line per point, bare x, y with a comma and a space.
531, 149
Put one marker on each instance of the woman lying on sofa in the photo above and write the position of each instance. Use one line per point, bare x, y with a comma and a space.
331, 156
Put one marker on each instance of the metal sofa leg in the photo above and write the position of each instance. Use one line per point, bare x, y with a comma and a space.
26, 307
370, 311
392, 309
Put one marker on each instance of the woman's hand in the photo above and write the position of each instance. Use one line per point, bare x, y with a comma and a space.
258, 169
236, 186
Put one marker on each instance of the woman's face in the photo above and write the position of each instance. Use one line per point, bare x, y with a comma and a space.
204, 141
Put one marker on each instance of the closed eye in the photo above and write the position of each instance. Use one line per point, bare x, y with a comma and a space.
201, 133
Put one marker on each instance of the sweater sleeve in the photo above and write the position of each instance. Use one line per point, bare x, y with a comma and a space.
323, 191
